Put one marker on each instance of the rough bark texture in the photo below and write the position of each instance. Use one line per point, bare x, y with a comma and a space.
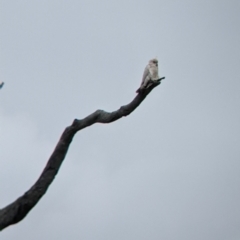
16, 211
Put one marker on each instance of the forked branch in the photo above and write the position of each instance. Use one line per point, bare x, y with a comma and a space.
16, 211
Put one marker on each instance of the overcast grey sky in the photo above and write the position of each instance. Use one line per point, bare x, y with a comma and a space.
171, 170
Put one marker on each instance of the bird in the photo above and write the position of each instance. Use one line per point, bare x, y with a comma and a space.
150, 74
1, 84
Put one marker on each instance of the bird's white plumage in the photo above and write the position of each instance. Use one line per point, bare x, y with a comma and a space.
150, 73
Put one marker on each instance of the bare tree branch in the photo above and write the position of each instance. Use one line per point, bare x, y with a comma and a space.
1, 84
16, 211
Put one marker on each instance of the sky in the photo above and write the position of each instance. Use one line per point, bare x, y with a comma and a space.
170, 170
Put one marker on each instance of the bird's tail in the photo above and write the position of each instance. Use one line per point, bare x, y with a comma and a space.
138, 90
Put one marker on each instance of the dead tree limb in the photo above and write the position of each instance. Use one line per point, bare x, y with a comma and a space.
16, 211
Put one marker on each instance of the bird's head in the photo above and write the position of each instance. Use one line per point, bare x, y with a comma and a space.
153, 61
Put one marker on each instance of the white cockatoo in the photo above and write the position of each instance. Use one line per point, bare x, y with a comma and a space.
150, 74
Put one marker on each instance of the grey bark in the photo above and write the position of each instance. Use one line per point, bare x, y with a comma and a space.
18, 210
